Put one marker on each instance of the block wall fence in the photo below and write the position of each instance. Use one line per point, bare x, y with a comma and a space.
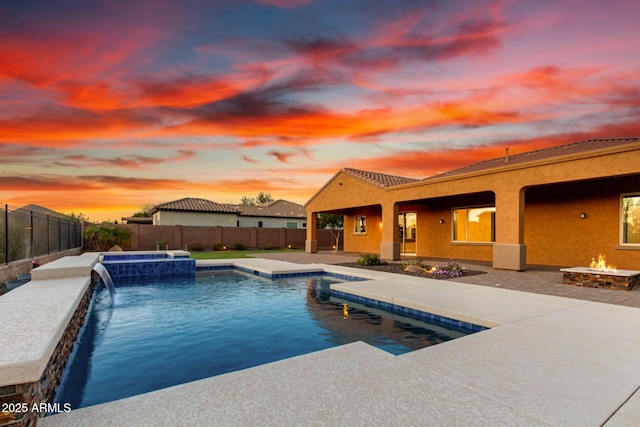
146, 237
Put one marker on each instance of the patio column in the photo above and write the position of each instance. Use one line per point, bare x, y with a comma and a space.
311, 244
390, 245
509, 250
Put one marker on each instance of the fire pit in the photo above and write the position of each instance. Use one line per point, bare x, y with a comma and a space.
601, 275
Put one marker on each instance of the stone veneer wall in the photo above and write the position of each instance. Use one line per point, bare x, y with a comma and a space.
43, 391
601, 280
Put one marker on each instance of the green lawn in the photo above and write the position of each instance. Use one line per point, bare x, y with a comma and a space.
235, 254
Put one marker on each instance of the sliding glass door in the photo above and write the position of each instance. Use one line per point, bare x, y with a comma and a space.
407, 226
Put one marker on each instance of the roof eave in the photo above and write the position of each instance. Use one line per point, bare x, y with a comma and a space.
632, 146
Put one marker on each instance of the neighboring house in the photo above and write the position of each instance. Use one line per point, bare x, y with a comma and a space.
194, 211
277, 214
558, 206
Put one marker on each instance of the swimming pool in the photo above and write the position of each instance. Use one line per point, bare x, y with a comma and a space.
165, 332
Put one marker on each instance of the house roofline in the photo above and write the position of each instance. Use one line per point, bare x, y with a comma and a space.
631, 146
326, 184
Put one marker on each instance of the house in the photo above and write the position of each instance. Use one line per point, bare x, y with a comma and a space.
558, 206
203, 212
276, 214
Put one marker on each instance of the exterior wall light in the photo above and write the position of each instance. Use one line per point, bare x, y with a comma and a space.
442, 221
583, 215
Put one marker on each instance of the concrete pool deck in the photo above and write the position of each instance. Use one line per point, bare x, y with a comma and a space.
547, 360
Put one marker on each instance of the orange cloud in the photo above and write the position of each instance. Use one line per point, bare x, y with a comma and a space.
65, 127
250, 160
282, 157
125, 162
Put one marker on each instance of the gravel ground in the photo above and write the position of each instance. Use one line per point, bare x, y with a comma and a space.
399, 269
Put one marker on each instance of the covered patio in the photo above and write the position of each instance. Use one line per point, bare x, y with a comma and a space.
559, 206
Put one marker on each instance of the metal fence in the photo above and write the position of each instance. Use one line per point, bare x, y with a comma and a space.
26, 233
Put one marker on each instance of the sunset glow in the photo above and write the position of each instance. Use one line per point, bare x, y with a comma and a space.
106, 106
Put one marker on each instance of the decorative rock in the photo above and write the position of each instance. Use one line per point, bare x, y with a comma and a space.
412, 268
115, 248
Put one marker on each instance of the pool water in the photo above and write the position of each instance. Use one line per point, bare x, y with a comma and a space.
165, 332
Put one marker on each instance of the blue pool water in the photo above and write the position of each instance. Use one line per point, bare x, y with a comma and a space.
168, 332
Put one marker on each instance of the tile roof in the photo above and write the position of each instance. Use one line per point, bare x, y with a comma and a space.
379, 179
190, 204
541, 154
385, 181
278, 208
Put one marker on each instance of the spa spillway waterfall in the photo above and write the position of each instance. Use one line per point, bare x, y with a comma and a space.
106, 279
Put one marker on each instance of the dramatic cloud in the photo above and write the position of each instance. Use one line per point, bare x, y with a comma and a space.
282, 157
126, 103
125, 162
250, 160
44, 183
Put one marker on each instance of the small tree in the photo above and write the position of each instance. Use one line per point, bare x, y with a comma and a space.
260, 199
335, 223
144, 211
105, 236
80, 217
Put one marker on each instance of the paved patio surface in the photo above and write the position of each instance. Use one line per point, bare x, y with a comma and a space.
536, 279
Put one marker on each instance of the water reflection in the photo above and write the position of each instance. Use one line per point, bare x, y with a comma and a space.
392, 332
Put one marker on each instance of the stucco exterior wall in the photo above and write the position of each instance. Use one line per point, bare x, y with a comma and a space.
538, 205
248, 221
194, 218
345, 191
434, 240
555, 234
368, 242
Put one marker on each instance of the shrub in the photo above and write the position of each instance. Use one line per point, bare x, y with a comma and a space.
369, 259
450, 269
104, 236
219, 247
239, 247
196, 247
162, 244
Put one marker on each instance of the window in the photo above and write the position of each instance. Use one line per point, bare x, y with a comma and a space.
631, 219
260, 224
474, 224
292, 225
361, 226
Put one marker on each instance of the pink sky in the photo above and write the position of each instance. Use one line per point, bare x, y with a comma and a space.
106, 106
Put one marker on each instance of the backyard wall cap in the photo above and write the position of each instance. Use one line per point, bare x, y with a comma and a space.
34, 318
72, 266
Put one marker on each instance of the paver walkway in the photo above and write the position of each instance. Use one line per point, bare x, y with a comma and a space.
536, 279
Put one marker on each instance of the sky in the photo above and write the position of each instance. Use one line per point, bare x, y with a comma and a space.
109, 105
